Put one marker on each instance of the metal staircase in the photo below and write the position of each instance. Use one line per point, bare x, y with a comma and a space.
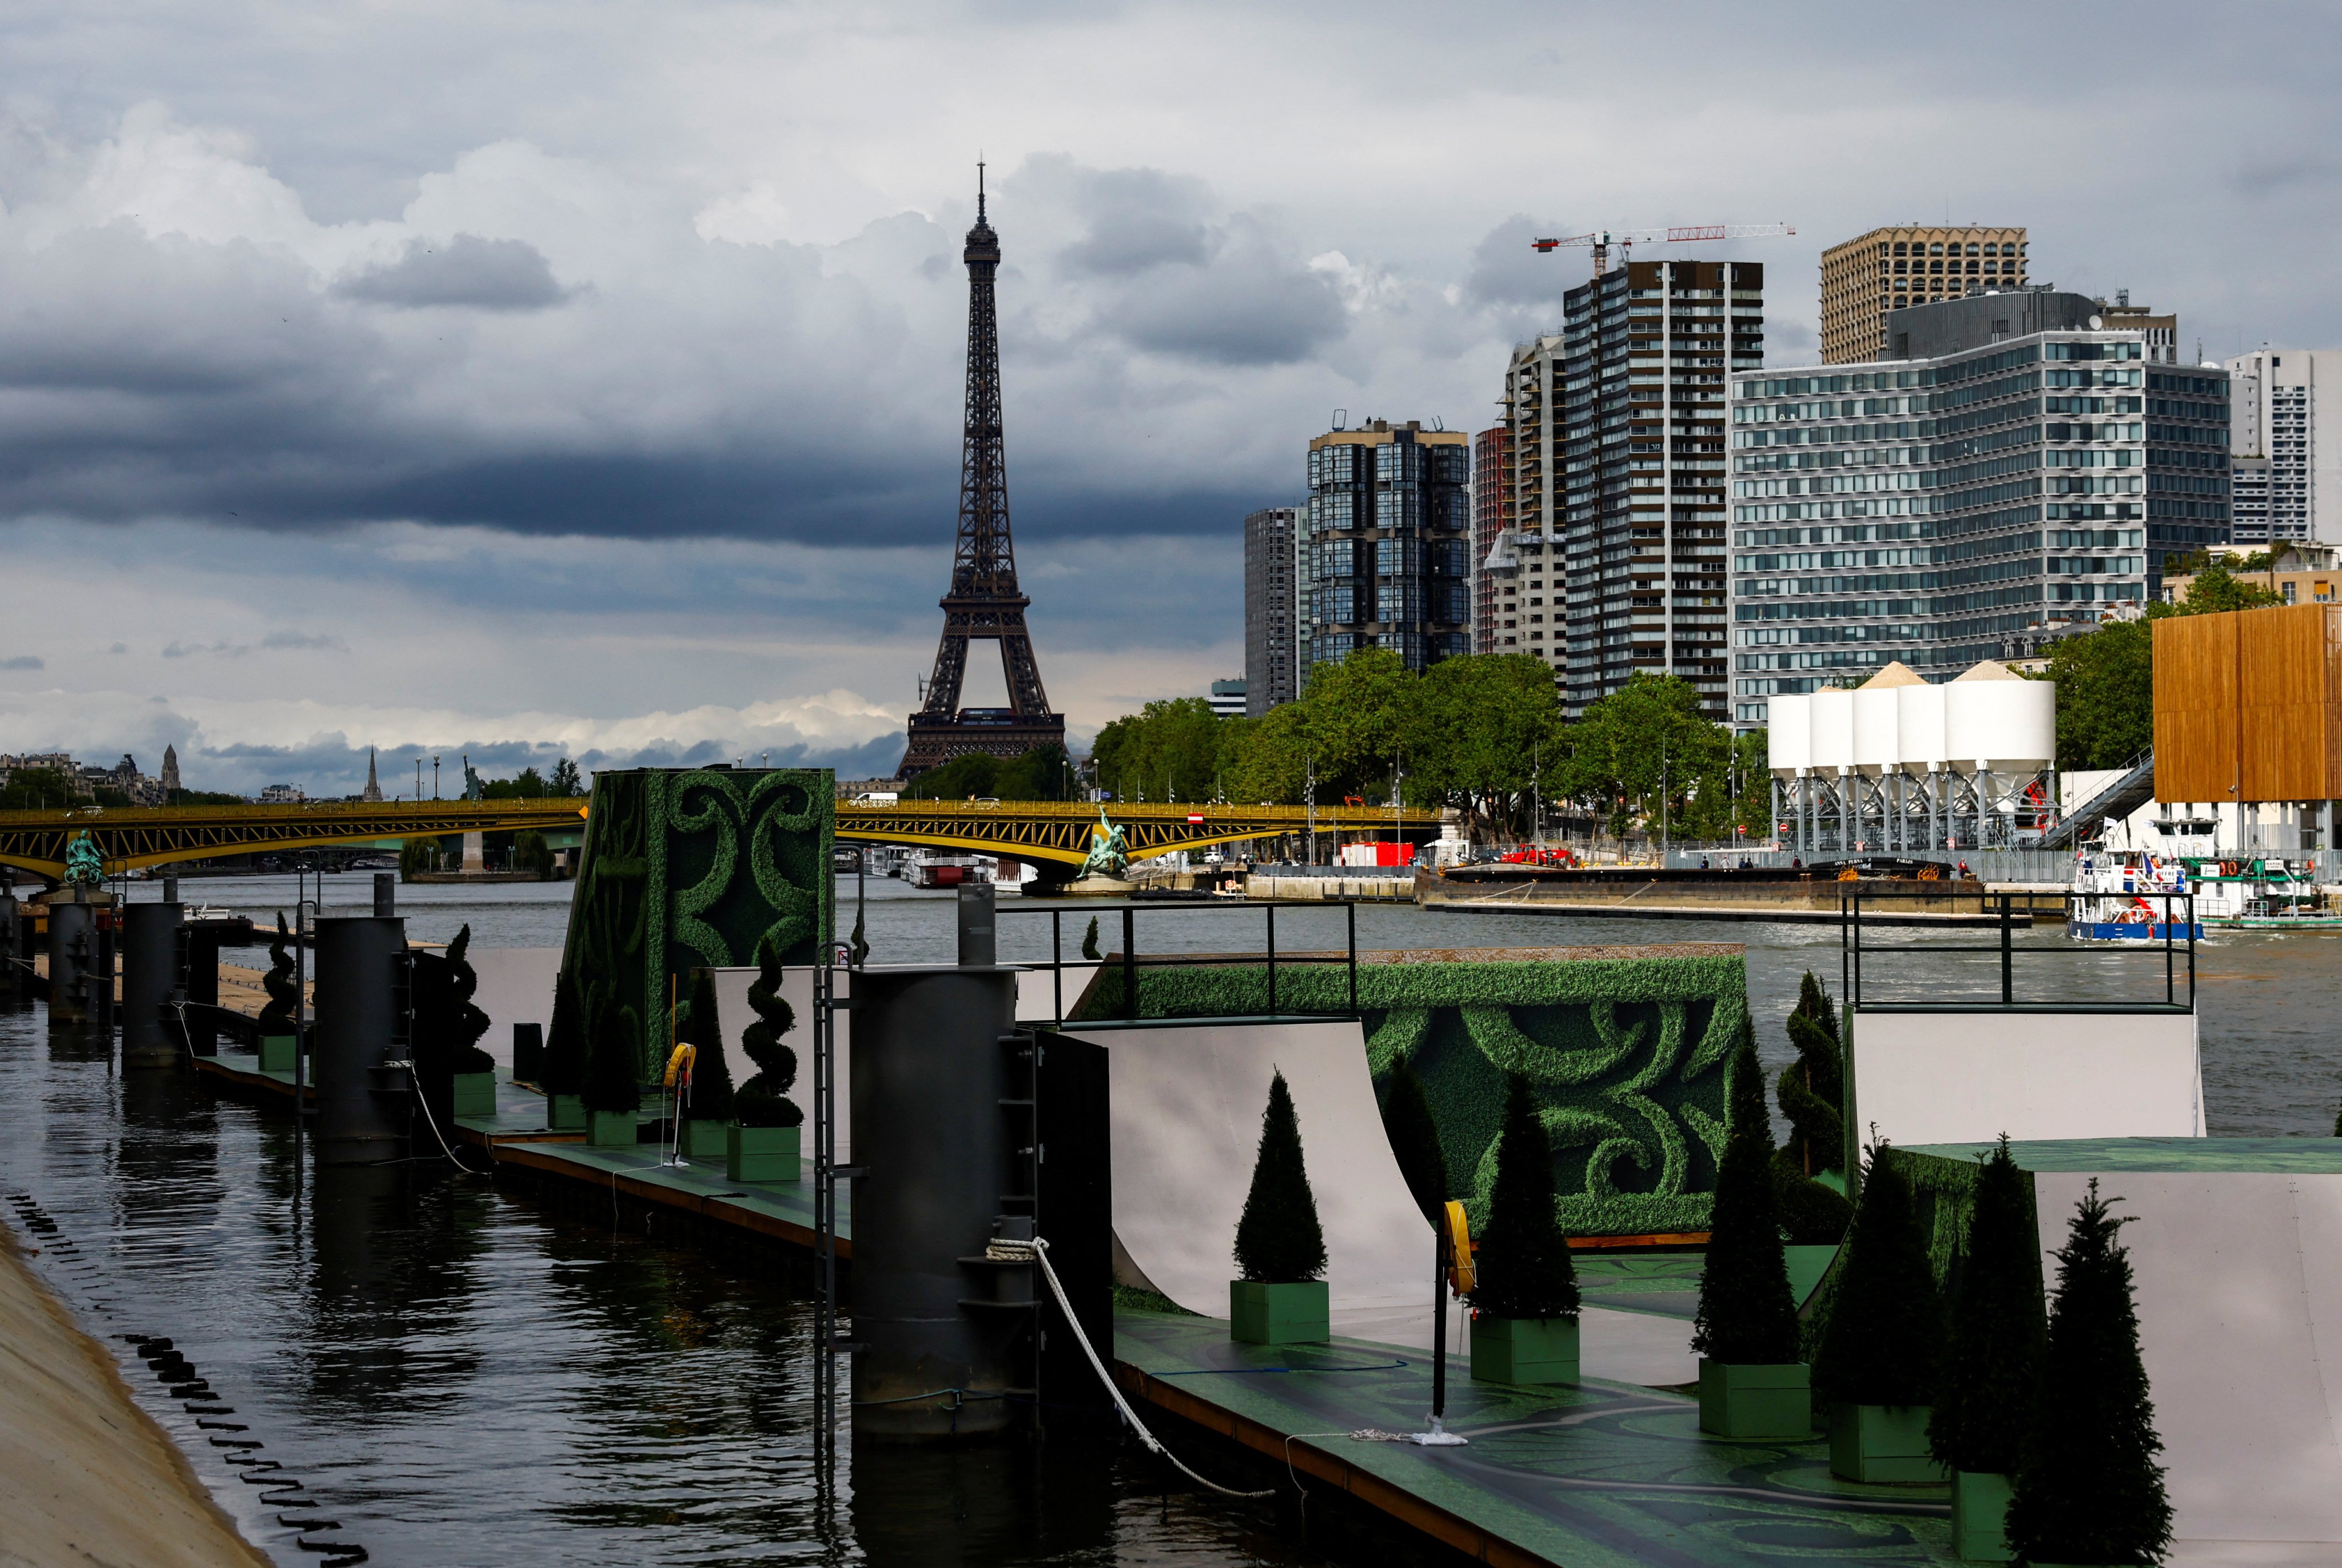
2125, 793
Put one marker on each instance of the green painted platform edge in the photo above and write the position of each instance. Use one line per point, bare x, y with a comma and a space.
2083, 1155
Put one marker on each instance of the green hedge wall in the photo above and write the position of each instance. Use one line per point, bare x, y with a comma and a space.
1628, 1057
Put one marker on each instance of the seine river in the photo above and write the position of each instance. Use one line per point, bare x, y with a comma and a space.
458, 1377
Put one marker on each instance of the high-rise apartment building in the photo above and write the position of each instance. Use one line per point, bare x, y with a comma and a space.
2021, 476
1891, 268
1388, 543
1519, 572
1491, 513
1646, 352
1273, 626
2279, 417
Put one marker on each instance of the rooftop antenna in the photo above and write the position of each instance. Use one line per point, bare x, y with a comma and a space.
979, 187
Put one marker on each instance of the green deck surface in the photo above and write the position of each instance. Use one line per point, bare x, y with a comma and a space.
1600, 1473
700, 1183
1665, 1285
2321, 1156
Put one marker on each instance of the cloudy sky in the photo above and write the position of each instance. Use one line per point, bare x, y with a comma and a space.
519, 379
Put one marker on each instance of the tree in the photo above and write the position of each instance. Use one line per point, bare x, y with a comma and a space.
2106, 694
2215, 587
1747, 1316
563, 1068
528, 785
1810, 1091
1994, 1359
530, 851
1522, 1258
1168, 749
711, 1074
1414, 1140
565, 780
1267, 759
1278, 1239
1090, 941
613, 1060
1484, 725
1357, 715
1648, 755
763, 1101
1043, 773
281, 1015
1885, 1341
417, 854
2088, 1489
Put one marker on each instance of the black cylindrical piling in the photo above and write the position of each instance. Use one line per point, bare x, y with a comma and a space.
929, 1074
150, 956
12, 972
74, 954
976, 915
360, 1030
385, 894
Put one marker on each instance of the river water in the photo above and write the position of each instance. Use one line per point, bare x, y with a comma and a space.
456, 1377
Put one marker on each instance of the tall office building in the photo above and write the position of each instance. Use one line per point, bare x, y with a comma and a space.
1491, 513
2279, 419
1388, 543
1520, 570
1272, 607
2019, 475
1891, 268
1646, 350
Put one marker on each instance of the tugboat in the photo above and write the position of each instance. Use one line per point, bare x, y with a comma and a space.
2131, 895
2261, 893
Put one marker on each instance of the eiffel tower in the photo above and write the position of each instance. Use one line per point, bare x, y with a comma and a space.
983, 603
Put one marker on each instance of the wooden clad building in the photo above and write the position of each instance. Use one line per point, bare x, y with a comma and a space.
2249, 705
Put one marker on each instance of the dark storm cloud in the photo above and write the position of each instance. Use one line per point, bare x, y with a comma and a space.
1506, 271
465, 271
24, 662
1246, 302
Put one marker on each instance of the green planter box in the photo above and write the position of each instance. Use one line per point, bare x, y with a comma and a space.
708, 1140
1979, 1517
564, 1113
1524, 1350
276, 1053
1755, 1401
611, 1129
1882, 1443
1295, 1313
762, 1155
476, 1094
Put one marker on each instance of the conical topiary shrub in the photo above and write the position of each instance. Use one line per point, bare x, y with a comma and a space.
765, 1142
612, 1092
560, 1065
1090, 951
1812, 1093
1524, 1303
1984, 1402
2087, 1487
1752, 1383
1280, 1295
1883, 1352
1414, 1140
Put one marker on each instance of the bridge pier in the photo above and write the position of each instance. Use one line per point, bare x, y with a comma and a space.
475, 852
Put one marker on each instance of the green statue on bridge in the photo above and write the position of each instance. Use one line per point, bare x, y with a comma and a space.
83, 868
1109, 849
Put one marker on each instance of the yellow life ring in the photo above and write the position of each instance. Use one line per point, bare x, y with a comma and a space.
681, 1061
1461, 1275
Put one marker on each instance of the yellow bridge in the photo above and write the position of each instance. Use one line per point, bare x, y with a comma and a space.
132, 837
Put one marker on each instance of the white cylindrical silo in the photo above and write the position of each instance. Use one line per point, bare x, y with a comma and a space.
1789, 735
1876, 747
1833, 731
1919, 726
1996, 719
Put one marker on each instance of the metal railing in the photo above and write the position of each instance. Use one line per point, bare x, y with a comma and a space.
2175, 947
1128, 961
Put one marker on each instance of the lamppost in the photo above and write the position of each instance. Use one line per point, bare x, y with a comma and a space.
434, 776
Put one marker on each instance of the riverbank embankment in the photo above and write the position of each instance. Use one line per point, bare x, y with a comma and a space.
85, 1476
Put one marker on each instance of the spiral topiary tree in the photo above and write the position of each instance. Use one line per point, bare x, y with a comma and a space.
1812, 1091
763, 1101
1523, 1258
1747, 1316
1993, 1361
1278, 1238
1415, 1140
703, 1031
612, 1060
2087, 1487
562, 1068
467, 1023
281, 1014
1884, 1343
1090, 951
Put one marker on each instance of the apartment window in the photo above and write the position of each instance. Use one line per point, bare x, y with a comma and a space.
1934, 266
1992, 250
1935, 250
1902, 266
1972, 250
1901, 249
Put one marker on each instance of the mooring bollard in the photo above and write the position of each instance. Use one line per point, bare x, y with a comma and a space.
360, 1029
151, 978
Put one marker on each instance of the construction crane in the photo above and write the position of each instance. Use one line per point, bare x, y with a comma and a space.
1625, 239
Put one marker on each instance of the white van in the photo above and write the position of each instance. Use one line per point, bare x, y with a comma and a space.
890, 797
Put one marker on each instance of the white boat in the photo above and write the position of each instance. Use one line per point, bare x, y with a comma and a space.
2131, 895
2259, 893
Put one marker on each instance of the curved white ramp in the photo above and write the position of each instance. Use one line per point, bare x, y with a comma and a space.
2240, 1288
1187, 1107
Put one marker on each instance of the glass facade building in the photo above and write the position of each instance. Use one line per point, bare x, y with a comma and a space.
1388, 543
1969, 505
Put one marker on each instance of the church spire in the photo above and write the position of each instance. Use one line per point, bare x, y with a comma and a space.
373, 786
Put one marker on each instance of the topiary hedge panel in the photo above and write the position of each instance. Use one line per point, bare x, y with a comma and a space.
1628, 1057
